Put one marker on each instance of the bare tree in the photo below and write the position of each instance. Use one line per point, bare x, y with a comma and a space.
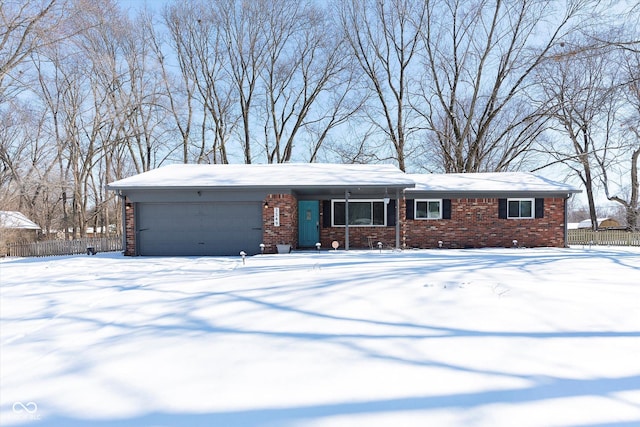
592, 86
628, 157
306, 80
26, 26
62, 91
91, 95
178, 91
26, 163
584, 94
385, 40
197, 38
363, 149
482, 56
242, 25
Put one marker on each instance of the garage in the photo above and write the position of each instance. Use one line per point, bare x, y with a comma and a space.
223, 209
213, 228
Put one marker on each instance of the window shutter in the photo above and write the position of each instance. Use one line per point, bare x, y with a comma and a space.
502, 208
326, 213
410, 208
539, 208
391, 213
446, 208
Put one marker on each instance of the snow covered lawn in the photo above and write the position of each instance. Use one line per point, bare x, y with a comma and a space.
492, 337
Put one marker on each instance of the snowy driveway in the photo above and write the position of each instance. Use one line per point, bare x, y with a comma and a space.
493, 337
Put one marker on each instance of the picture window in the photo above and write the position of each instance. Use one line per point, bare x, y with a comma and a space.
362, 213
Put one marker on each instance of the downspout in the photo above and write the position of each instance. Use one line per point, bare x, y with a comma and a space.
346, 220
397, 218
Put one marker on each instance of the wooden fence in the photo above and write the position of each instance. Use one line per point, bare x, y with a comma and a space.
603, 237
64, 247
112, 244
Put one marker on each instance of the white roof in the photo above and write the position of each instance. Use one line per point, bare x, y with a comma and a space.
14, 219
322, 175
586, 223
267, 175
490, 182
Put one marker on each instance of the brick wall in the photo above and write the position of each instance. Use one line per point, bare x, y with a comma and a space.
475, 223
287, 232
130, 229
359, 237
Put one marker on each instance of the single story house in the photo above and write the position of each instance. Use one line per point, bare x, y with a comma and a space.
225, 209
16, 227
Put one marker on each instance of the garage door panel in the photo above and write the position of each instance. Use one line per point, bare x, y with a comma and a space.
199, 228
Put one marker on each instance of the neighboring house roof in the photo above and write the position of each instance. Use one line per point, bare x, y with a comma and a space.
489, 182
16, 220
289, 175
602, 222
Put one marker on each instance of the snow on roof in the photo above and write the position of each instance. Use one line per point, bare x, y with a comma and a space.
493, 182
586, 223
14, 219
298, 175
267, 175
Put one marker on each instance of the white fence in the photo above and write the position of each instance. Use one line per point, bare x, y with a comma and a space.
603, 237
64, 247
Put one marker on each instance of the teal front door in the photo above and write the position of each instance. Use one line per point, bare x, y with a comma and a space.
308, 223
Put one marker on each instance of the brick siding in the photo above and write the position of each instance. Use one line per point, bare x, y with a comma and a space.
475, 223
361, 237
287, 232
130, 229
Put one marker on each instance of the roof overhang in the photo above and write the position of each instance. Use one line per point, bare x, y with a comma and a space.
490, 184
15, 220
300, 178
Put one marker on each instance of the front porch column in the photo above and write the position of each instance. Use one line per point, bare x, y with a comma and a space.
397, 218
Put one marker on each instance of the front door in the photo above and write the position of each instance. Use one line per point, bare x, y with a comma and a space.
308, 223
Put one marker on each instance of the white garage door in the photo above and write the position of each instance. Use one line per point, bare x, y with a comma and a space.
224, 228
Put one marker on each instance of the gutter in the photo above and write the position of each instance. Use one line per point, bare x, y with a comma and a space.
349, 187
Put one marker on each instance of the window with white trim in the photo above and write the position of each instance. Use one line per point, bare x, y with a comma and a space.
520, 208
362, 213
428, 209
